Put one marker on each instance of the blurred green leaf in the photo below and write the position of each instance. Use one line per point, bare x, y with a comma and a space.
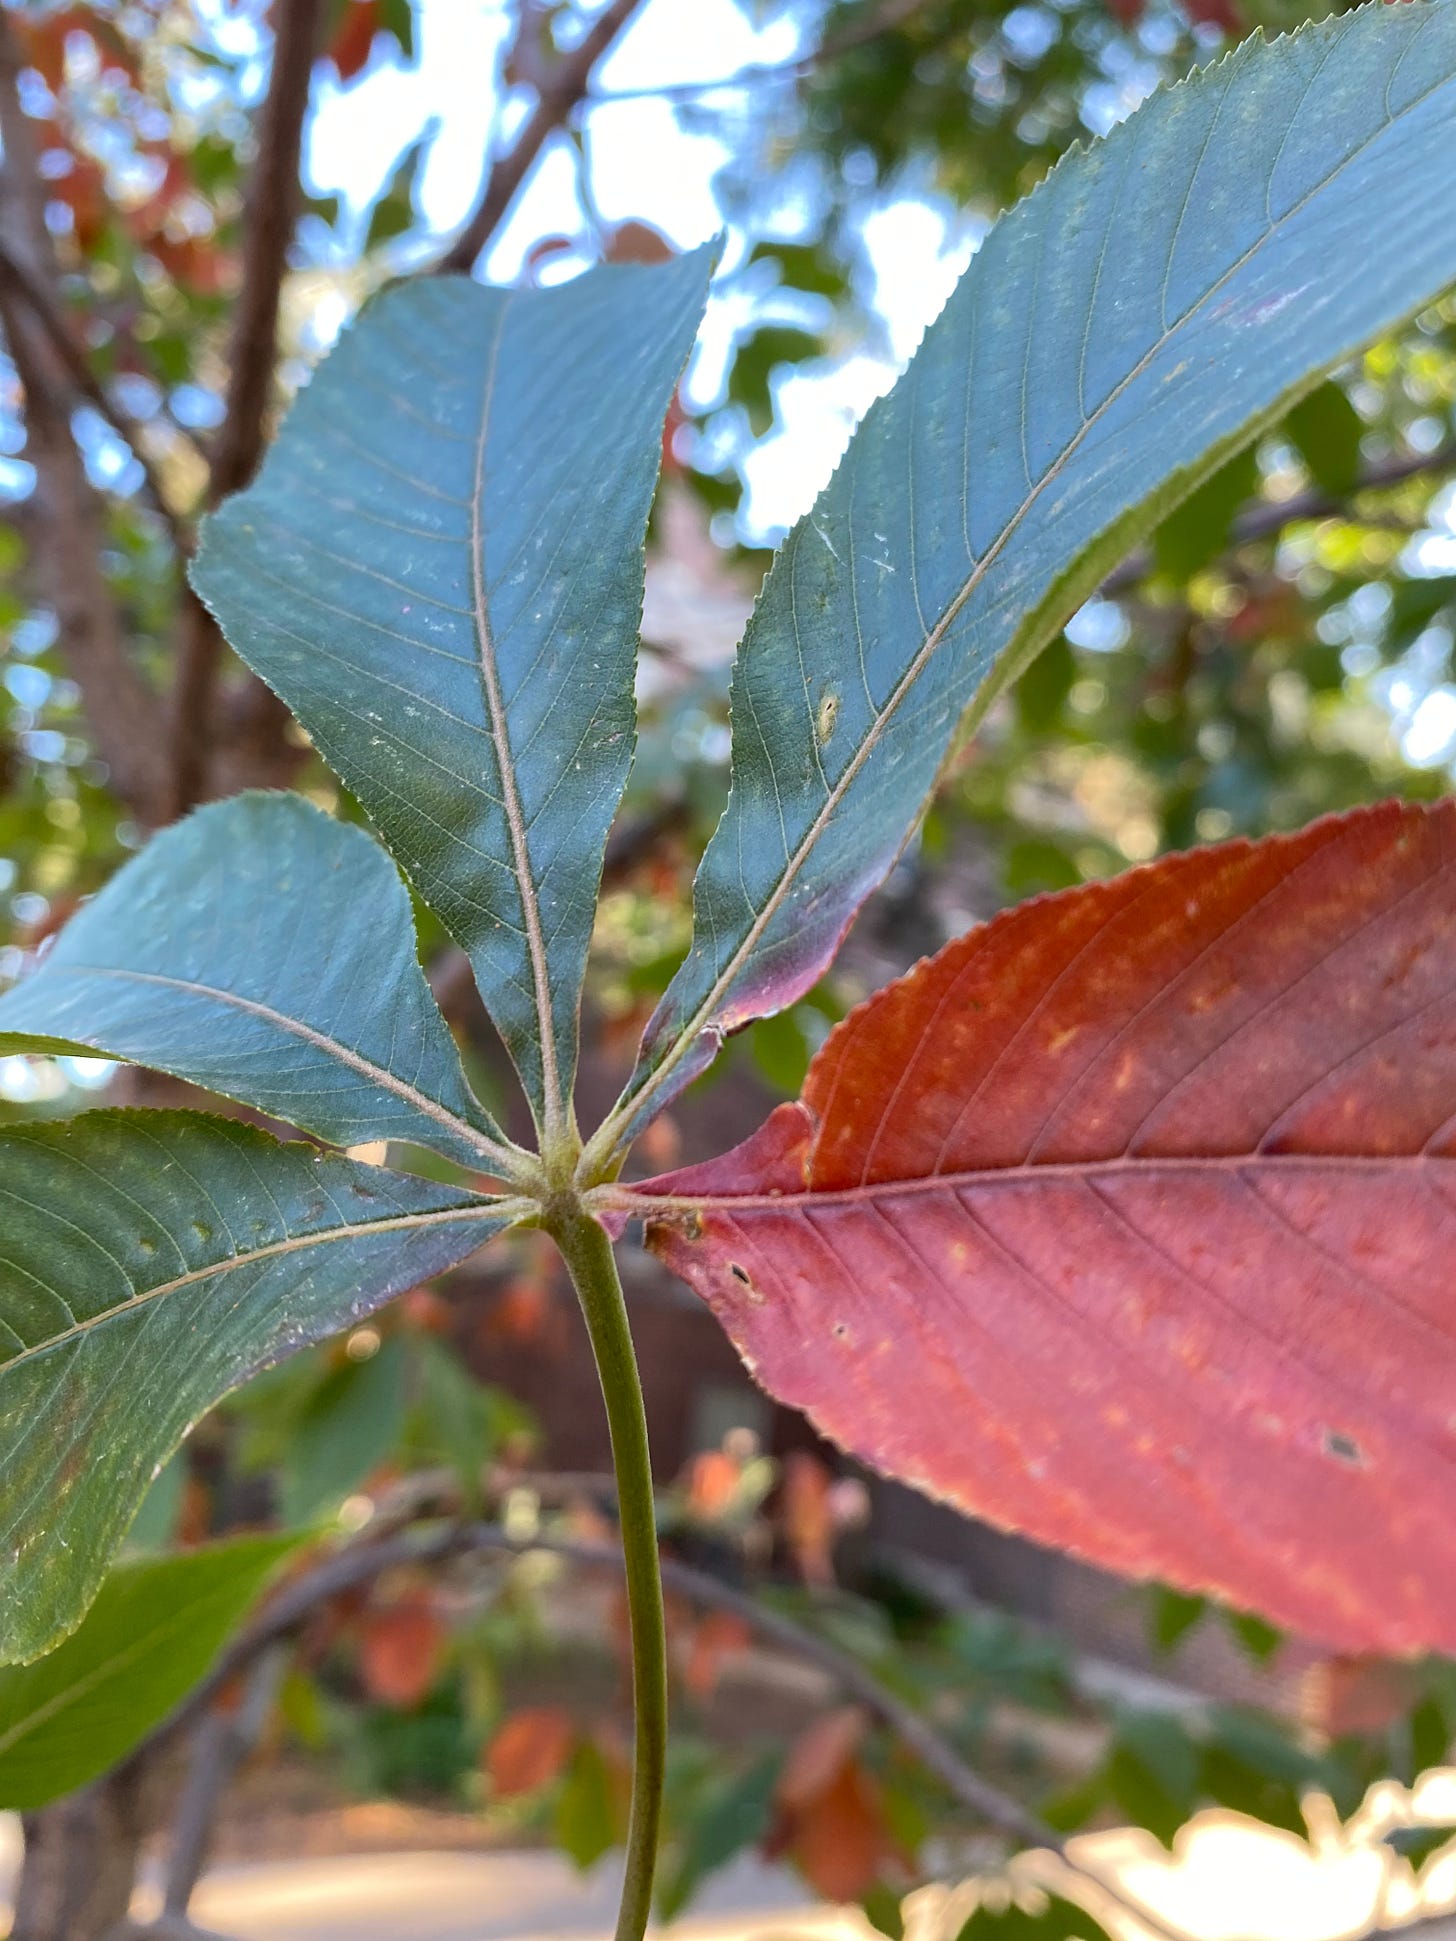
1173, 1615
1190, 538
393, 213
755, 362
1257, 1639
1153, 1772
151, 1634
155, 1523
881, 1908
349, 1425
804, 266
585, 1820
1041, 693
1418, 1843
1326, 429
732, 1815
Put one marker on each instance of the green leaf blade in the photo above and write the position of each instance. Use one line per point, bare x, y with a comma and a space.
153, 1632
440, 569
150, 1262
1144, 314
265, 952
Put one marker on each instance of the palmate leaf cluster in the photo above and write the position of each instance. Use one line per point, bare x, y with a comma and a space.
440, 571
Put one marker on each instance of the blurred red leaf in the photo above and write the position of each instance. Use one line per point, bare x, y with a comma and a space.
529, 1750
841, 1841
82, 188
196, 262
43, 38
526, 1312
807, 1515
1223, 14
819, 1754
830, 1816
713, 1639
354, 37
637, 242
1364, 1695
712, 1484
426, 1311
399, 1649
1128, 1220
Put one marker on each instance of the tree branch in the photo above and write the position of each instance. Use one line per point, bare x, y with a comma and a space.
875, 25
271, 209
363, 1562
48, 313
1263, 519
70, 530
560, 93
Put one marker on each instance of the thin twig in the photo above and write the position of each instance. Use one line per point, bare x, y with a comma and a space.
876, 24
49, 314
223, 1740
273, 197
1264, 520
560, 93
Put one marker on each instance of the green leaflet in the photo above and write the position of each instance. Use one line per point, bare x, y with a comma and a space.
154, 1630
1053, 1920
267, 952
149, 1262
440, 570
1162, 297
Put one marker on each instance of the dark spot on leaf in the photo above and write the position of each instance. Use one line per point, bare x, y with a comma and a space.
740, 1273
1344, 1447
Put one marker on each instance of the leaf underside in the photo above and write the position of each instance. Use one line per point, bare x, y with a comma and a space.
440, 570
1127, 1222
1142, 315
149, 1263
267, 952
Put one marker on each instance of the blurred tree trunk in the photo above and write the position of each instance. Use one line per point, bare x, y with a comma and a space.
81, 1860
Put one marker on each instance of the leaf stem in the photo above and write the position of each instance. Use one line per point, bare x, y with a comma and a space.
588, 1254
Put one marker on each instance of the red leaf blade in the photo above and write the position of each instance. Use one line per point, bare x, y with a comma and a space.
1127, 1222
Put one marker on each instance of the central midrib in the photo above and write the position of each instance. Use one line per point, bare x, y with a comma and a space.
552, 1104
641, 1203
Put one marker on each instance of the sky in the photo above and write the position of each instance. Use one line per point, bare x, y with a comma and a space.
644, 164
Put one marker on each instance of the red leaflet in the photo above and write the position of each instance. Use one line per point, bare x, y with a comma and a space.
1129, 1222
530, 1751
354, 38
829, 1813
400, 1645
